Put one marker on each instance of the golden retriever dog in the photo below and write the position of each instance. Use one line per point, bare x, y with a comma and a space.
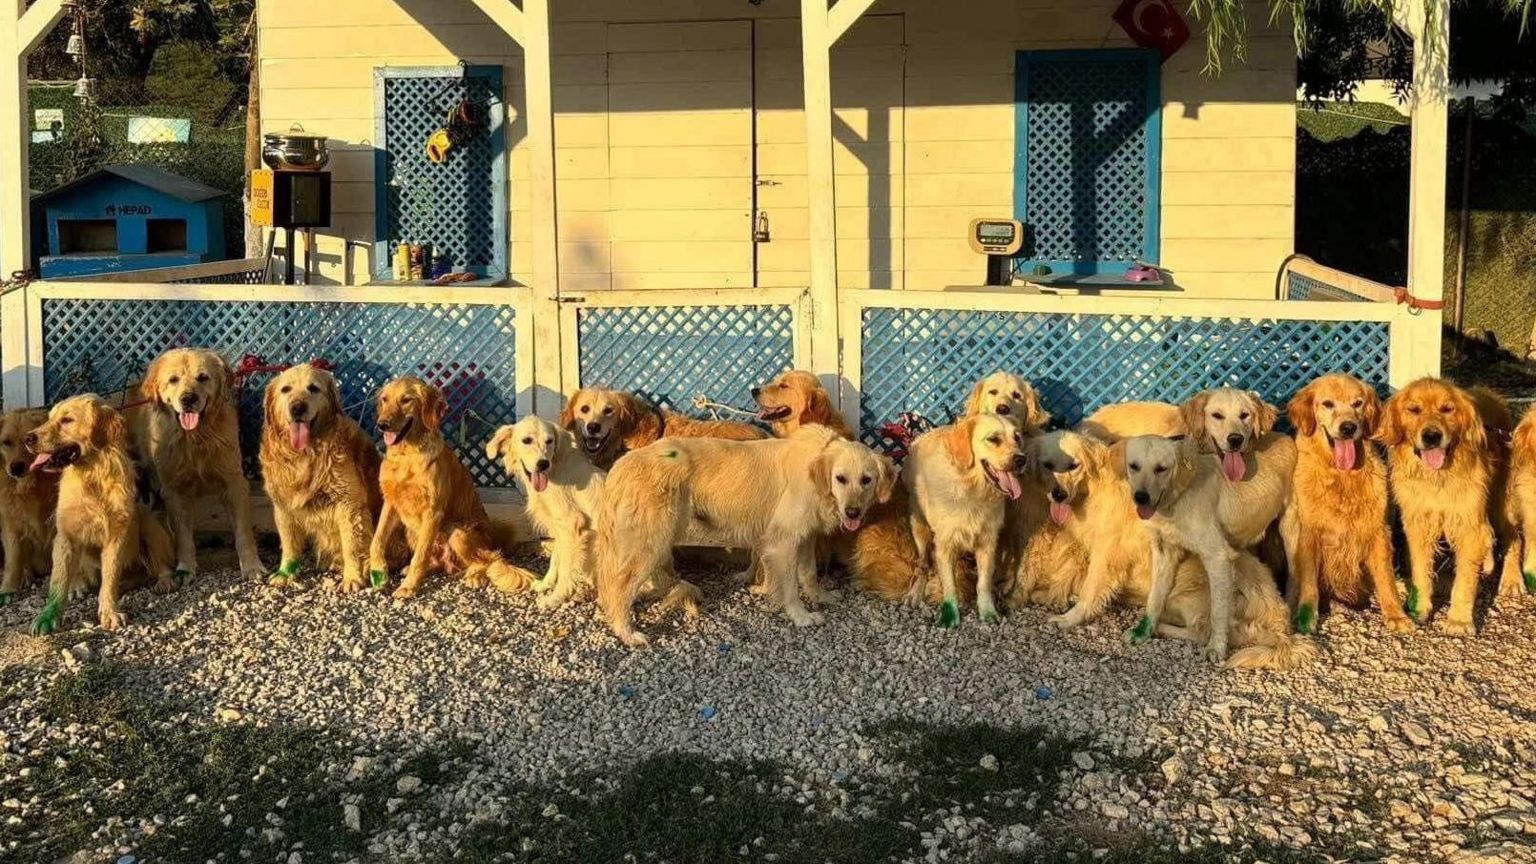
1091, 500
189, 435
322, 473
1009, 395
610, 423
430, 493
1446, 453
563, 490
100, 526
1519, 512
775, 496
27, 502
1189, 505
1128, 419
796, 399
1340, 496
960, 479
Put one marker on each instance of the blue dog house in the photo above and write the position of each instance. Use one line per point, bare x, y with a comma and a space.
129, 217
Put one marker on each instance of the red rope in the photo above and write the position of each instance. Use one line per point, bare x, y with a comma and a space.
1403, 297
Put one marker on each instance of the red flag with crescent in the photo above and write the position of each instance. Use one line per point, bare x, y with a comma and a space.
1153, 24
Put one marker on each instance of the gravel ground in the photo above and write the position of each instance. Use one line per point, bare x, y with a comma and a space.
1417, 748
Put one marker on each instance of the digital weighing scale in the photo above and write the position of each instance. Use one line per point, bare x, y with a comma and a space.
999, 240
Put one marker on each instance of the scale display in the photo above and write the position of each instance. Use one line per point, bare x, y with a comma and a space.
996, 236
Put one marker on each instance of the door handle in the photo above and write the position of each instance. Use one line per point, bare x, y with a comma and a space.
763, 181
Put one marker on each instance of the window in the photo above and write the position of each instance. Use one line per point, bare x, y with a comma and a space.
1088, 133
166, 235
87, 235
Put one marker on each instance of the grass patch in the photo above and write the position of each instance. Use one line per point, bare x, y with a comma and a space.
214, 783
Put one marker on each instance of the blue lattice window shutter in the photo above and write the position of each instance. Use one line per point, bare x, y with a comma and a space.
1087, 154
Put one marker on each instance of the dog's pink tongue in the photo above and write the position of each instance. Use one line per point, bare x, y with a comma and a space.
852, 523
298, 436
1060, 512
1146, 511
390, 438
1234, 467
189, 419
540, 480
1009, 483
1344, 454
1434, 459
39, 461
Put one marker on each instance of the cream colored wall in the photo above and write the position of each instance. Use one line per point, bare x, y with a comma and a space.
652, 196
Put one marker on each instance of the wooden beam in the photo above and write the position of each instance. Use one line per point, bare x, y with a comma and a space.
844, 15
509, 18
1429, 22
37, 22
542, 227
816, 46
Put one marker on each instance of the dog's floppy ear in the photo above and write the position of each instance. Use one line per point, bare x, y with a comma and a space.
226, 372
269, 404
1370, 412
332, 394
1192, 412
494, 446
973, 401
1471, 421
1391, 431
567, 418
1264, 415
820, 474
1115, 457
1302, 412
957, 442
1035, 416
433, 407
107, 428
150, 383
818, 405
885, 478
1093, 455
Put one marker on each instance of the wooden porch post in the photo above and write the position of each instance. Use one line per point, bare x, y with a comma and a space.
820, 28
529, 28
1428, 21
21, 30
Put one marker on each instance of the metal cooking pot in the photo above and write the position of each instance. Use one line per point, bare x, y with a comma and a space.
294, 150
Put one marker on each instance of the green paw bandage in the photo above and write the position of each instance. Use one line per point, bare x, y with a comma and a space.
48, 619
180, 577
991, 617
1412, 606
1528, 577
1142, 631
1306, 619
285, 573
949, 614
378, 578
5, 600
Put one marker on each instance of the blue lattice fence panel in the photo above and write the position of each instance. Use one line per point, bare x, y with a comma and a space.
925, 360
1088, 157
466, 350
458, 206
670, 354
1299, 287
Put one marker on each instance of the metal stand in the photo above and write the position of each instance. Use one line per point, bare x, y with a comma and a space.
289, 258
998, 267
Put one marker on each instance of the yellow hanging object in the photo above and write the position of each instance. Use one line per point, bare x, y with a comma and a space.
438, 145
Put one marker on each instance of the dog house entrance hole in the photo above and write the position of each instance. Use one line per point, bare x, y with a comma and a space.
167, 235
87, 235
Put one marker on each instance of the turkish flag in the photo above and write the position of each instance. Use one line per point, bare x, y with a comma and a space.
1153, 24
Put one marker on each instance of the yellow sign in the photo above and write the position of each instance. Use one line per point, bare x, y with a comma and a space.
262, 196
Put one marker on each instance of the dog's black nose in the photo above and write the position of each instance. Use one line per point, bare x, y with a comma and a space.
188, 400
594, 427
31, 439
852, 512
383, 425
1141, 497
298, 409
18, 469
1348, 429
542, 465
755, 391
1020, 462
1059, 495
1003, 410
1234, 441
1432, 436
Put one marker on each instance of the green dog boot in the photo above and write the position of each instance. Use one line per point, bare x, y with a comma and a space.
1528, 577
48, 620
1141, 632
284, 574
949, 615
180, 577
5, 599
1306, 620
1412, 605
378, 579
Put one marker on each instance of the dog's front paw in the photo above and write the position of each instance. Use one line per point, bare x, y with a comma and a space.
552, 600
1528, 577
404, 592
634, 639
819, 596
1216, 651
1418, 608
1399, 623
1305, 620
6, 599
48, 620
949, 614
540, 586
253, 570
1141, 632
1066, 621
111, 619
164, 585
351, 583
378, 579
476, 580
1457, 626
989, 615
803, 618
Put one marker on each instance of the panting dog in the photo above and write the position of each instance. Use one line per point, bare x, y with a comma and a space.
103, 532
430, 494
189, 436
27, 502
610, 423
796, 399
321, 472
